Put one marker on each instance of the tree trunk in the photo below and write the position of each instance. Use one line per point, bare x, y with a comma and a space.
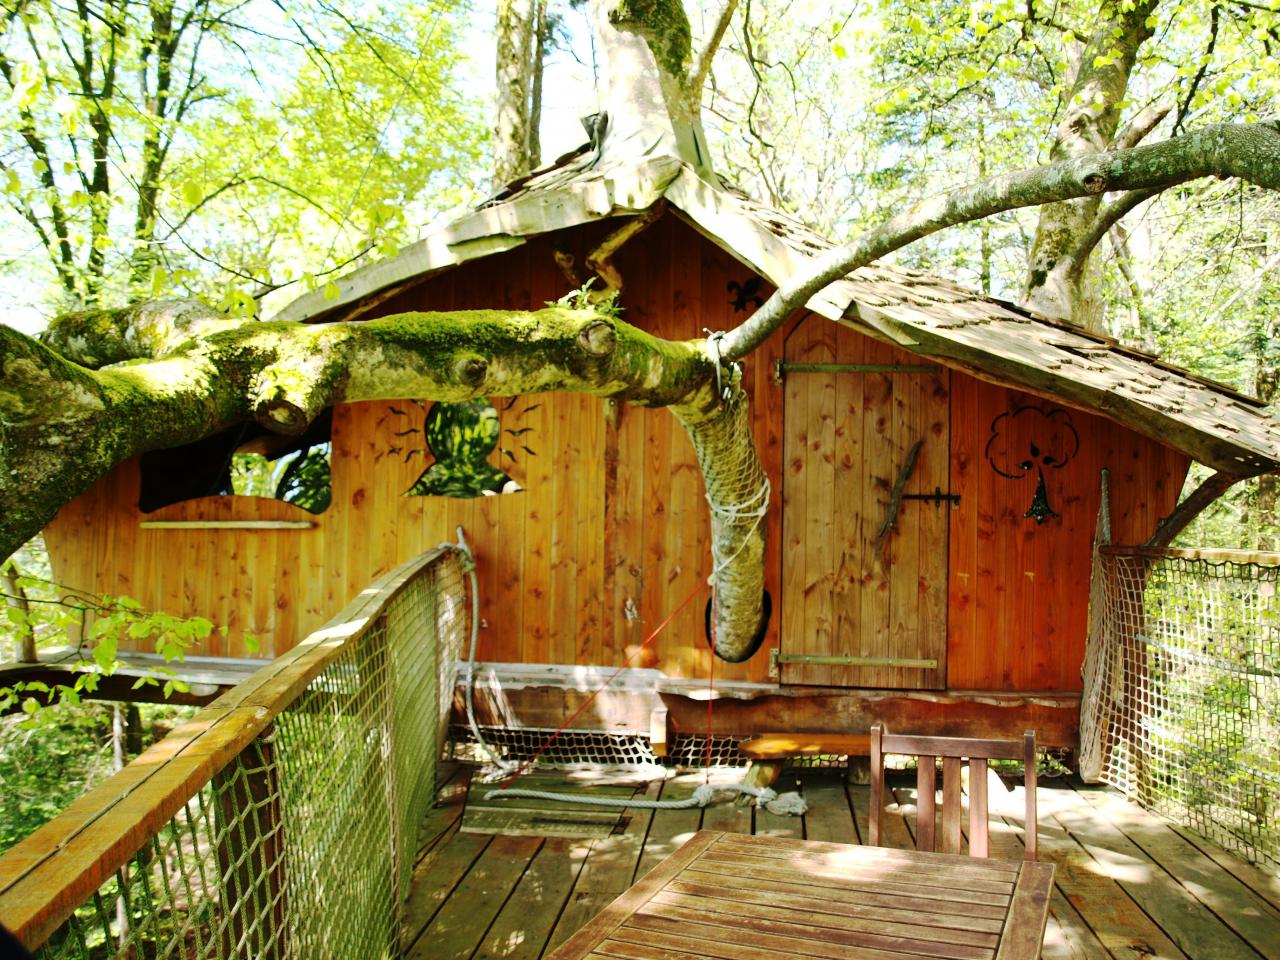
649, 95
515, 41
16, 598
1264, 514
535, 90
1058, 285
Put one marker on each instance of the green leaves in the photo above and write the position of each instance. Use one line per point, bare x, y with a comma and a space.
107, 624
222, 184
104, 653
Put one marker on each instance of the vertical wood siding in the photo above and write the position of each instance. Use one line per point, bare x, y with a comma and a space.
1018, 595
611, 531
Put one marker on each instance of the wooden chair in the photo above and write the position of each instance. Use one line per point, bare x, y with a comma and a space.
952, 750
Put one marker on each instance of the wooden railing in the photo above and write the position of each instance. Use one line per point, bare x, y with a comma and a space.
219, 840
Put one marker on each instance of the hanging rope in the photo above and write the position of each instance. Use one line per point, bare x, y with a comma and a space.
786, 804
469, 565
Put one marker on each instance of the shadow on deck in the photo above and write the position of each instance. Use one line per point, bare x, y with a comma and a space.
1129, 885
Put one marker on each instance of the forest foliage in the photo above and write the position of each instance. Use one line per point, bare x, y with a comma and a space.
245, 151
221, 148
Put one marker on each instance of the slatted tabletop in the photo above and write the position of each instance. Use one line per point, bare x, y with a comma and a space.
735, 897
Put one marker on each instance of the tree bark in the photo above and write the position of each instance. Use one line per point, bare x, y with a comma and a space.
1056, 286
1250, 151
515, 41
189, 373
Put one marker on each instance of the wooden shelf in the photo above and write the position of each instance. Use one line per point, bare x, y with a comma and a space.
227, 524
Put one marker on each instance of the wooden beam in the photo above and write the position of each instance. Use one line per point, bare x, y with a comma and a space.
1209, 554
542, 696
227, 524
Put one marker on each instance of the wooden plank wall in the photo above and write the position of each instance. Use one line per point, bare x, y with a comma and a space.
559, 582
847, 438
611, 531
1018, 591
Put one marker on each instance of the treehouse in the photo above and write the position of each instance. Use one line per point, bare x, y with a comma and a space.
927, 485
937, 461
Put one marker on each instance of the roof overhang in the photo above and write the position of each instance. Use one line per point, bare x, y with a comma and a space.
981, 335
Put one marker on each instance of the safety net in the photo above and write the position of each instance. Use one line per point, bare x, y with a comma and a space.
1181, 703
282, 821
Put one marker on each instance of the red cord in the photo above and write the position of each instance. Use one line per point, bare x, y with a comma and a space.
586, 703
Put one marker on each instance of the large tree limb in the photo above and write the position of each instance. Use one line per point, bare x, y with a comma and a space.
1087, 125
1191, 506
702, 63
1103, 221
1248, 151
1136, 130
179, 371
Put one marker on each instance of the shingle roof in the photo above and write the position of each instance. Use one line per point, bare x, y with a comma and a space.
923, 313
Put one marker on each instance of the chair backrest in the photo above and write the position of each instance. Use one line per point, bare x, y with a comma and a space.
952, 750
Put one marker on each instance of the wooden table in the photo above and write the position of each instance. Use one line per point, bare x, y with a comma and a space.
733, 897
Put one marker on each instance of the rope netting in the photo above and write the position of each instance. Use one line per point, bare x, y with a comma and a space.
737, 492
1181, 702
586, 748
302, 845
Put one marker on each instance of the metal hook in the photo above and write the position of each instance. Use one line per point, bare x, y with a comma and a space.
723, 390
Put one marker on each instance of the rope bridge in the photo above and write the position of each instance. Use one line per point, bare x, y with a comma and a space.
1181, 703
282, 820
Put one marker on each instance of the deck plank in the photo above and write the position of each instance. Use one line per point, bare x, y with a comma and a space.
465, 918
1253, 919
435, 879
669, 829
1265, 885
523, 927
893, 826
780, 825
1196, 931
830, 815
729, 817
1094, 916
1067, 936
1115, 866
445, 815
1117, 921
609, 869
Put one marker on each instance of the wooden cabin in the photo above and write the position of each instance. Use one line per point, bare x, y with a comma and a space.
936, 457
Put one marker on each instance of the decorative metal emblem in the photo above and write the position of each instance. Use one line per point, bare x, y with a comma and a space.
1032, 438
745, 294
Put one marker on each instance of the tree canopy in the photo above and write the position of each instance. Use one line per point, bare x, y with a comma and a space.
1037, 110
223, 148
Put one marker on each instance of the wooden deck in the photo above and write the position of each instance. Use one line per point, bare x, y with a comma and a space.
1128, 886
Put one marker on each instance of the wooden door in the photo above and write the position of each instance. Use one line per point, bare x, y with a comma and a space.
849, 589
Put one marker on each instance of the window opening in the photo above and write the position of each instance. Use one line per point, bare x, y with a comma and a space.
460, 438
245, 460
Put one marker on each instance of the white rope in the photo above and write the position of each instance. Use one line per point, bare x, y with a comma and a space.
469, 564
786, 804
755, 506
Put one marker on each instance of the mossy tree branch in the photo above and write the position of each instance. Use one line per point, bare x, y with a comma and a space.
1250, 151
171, 373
